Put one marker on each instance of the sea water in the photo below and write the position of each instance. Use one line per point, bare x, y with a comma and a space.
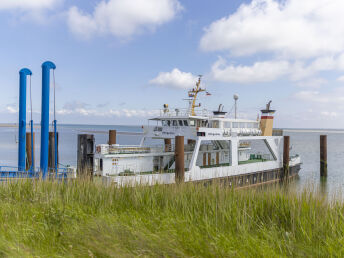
303, 142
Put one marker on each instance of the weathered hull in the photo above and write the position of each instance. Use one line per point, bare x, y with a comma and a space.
255, 178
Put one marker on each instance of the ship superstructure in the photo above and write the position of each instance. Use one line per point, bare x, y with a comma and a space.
216, 146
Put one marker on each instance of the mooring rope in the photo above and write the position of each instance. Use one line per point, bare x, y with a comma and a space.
55, 129
54, 95
32, 168
30, 98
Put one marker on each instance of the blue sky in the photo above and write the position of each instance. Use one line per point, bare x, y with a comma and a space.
119, 61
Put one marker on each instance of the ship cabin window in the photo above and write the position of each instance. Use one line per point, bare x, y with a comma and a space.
164, 122
204, 123
174, 123
168, 123
242, 125
227, 124
215, 124
185, 122
251, 125
192, 122
235, 125
180, 122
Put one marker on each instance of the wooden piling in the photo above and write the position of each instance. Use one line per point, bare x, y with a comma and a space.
29, 155
51, 155
85, 155
286, 147
168, 145
112, 137
179, 157
323, 155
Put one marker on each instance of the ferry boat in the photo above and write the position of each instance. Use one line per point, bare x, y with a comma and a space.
241, 152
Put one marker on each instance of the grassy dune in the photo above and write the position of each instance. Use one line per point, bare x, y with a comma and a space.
48, 219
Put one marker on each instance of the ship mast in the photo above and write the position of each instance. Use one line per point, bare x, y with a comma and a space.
193, 94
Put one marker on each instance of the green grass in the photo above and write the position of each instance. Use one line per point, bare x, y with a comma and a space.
85, 219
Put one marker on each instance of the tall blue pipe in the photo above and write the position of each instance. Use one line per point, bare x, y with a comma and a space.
46, 67
23, 73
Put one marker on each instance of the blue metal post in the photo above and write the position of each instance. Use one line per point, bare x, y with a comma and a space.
46, 67
22, 118
55, 145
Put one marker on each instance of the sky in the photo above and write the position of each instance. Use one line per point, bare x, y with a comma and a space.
119, 61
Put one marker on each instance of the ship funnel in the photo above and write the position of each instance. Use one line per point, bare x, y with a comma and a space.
266, 120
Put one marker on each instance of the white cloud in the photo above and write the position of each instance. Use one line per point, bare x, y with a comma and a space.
134, 113
86, 110
258, 72
27, 4
122, 18
341, 78
329, 114
11, 109
175, 79
312, 96
290, 28
312, 83
335, 97
269, 70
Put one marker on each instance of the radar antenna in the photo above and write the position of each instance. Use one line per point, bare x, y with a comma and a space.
193, 95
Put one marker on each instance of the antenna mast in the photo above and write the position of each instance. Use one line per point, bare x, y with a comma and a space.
193, 94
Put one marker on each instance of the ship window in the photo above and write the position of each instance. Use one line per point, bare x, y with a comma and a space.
235, 125
174, 123
204, 123
250, 125
215, 124
192, 122
168, 123
255, 125
164, 123
185, 122
242, 125
180, 123
227, 124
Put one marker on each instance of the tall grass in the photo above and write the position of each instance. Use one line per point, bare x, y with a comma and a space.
86, 219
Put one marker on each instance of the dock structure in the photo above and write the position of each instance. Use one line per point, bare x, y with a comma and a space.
23, 73
179, 157
85, 155
286, 157
46, 68
52, 149
323, 155
30, 150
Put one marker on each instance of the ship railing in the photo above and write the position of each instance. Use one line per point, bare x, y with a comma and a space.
137, 149
121, 149
171, 148
184, 112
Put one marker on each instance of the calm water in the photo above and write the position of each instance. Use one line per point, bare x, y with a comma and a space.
306, 144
